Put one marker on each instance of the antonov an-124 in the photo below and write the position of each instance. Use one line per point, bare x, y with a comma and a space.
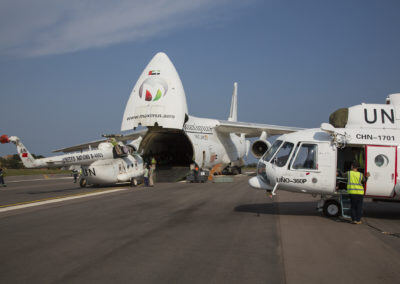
177, 139
314, 160
108, 162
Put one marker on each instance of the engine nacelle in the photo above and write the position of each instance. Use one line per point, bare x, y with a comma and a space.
259, 147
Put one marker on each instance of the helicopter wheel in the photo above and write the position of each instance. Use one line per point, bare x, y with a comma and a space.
82, 183
331, 208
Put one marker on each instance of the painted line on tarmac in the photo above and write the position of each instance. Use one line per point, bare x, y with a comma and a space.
38, 179
21, 205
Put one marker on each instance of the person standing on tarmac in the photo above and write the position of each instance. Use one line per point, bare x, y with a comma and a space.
196, 173
152, 171
75, 175
2, 177
146, 175
355, 188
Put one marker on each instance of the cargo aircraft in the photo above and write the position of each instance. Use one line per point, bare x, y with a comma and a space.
314, 160
106, 163
176, 139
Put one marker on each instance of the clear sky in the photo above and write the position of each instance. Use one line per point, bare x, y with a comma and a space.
67, 67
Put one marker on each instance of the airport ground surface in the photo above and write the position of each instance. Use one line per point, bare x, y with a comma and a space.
190, 233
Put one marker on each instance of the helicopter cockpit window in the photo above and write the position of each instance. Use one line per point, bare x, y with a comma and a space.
306, 157
271, 151
283, 154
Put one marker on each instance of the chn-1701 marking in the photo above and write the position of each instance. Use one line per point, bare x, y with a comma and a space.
378, 137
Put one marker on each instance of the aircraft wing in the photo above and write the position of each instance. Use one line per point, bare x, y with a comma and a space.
253, 129
84, 146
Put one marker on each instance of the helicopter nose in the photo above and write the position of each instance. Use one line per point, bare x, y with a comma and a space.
256, 182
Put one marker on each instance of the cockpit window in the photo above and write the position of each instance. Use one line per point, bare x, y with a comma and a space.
283, 154
306, 157
271, 151
294, 154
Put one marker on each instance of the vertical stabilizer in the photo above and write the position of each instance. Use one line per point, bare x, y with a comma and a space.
27, 159
233, 112
158, 98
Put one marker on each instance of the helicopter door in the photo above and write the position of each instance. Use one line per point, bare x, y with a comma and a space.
381, 164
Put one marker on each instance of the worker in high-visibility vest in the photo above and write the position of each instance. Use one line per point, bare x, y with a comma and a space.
355, 187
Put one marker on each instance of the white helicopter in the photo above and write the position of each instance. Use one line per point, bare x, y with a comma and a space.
108, 162
313, 161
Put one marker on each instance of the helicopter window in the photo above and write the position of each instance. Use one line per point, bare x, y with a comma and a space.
283, 154
381, 160
294, 154
306, 157
271, 151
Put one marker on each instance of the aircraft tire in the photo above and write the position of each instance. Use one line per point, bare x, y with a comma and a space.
331, 208
82, 183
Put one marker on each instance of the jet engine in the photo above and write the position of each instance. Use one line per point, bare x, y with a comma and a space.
259, 147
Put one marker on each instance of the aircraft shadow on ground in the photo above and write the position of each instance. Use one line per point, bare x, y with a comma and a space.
371, 210
281, 208
382, 210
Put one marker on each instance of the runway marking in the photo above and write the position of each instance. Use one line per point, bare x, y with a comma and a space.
26, 204
38, 179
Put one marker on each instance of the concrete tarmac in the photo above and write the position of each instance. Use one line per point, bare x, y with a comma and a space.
197, 233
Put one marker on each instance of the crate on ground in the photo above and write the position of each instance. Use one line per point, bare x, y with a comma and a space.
201, 177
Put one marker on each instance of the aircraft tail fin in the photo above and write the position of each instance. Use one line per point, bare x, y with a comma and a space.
158, 97
233, 111
27, 159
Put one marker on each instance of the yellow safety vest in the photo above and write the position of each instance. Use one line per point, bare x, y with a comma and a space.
354, 183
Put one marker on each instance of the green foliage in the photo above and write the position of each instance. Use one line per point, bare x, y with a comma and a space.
38, 156
12, 163
15, 162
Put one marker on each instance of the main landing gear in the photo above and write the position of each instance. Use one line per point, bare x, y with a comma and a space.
331, 208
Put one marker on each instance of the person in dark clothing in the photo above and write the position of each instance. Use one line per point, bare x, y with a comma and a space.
146, 174
196, 173
2, 177
75, 175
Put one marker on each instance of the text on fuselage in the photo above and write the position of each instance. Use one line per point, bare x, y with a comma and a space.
371, 116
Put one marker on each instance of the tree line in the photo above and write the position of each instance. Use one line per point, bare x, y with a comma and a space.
15, 162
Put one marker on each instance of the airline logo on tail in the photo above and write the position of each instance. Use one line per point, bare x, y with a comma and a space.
154, 72
153, 89
24, 153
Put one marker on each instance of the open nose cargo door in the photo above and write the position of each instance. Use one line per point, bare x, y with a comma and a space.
158, 98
